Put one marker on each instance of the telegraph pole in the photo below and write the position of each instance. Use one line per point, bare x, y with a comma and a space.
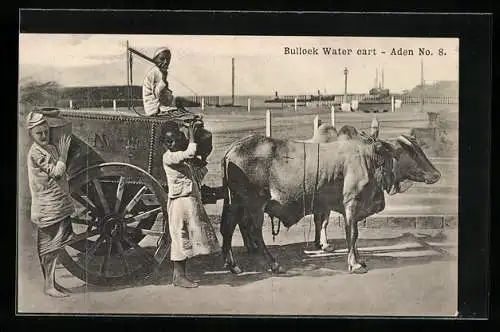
232, 81
345, 84
422, 82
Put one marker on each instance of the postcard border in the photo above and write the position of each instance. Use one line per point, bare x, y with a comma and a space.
473, 30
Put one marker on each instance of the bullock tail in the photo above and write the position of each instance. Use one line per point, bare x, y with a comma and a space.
227, 194
224, 163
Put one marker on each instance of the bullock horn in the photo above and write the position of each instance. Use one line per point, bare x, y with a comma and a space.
405, 140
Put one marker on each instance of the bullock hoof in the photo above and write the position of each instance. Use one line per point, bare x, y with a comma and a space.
235, 269
276, 268
328, 248
359, 268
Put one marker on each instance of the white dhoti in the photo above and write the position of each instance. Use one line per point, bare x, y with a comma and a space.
191, 232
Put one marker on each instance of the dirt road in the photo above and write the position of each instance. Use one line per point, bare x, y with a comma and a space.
404, 279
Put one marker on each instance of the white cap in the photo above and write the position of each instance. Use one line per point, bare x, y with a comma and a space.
34, 119
161, 49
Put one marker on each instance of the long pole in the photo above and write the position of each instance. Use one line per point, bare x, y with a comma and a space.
232, 81
145, 57
128, 74
422, 82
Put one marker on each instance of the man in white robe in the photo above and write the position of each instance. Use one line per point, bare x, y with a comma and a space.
51, 202
156, 96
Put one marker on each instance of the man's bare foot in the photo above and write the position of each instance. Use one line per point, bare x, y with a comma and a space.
61, 288
55, 293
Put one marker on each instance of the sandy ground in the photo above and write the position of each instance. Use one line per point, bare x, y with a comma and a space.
404, 279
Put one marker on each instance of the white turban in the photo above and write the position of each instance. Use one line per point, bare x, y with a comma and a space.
160, 50
34, 119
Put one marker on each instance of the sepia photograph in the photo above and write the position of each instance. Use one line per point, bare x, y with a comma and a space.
237, 175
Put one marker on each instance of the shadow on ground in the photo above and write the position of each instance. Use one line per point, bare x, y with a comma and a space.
209, 270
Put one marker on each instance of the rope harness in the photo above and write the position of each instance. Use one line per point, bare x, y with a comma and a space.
315, 189
275, 230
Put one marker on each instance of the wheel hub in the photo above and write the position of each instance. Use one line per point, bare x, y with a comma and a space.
112, 226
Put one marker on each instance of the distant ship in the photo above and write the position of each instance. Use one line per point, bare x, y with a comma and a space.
379, 99
301, 98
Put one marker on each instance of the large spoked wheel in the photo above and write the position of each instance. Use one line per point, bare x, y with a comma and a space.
120, 225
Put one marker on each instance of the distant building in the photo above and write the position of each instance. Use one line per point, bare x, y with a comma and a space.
101, 96
94, 93
437, 89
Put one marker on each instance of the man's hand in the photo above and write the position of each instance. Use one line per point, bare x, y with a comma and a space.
192, 130
199, 162
166, 97
64, 143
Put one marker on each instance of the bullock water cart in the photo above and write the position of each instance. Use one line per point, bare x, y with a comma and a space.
119, 188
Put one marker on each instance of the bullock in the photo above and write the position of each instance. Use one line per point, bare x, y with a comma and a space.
289, 180
412, 165
351, 175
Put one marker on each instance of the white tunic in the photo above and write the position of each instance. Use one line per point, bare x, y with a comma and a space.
190, 229
155, 93
51, 201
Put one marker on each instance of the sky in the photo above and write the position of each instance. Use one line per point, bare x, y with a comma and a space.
202, 64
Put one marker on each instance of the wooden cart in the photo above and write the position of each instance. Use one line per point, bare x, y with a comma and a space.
119, 188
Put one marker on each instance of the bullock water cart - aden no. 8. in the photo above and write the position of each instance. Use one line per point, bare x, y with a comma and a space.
119, 188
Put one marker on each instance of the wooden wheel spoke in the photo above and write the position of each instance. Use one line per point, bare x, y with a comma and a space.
82, 236
119, 193
145, 231
84, 212
80, 221
104, 265
135, 200
122, 254
89, 254
102, 198
116, 207
83, 200
143, 215
142, 253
